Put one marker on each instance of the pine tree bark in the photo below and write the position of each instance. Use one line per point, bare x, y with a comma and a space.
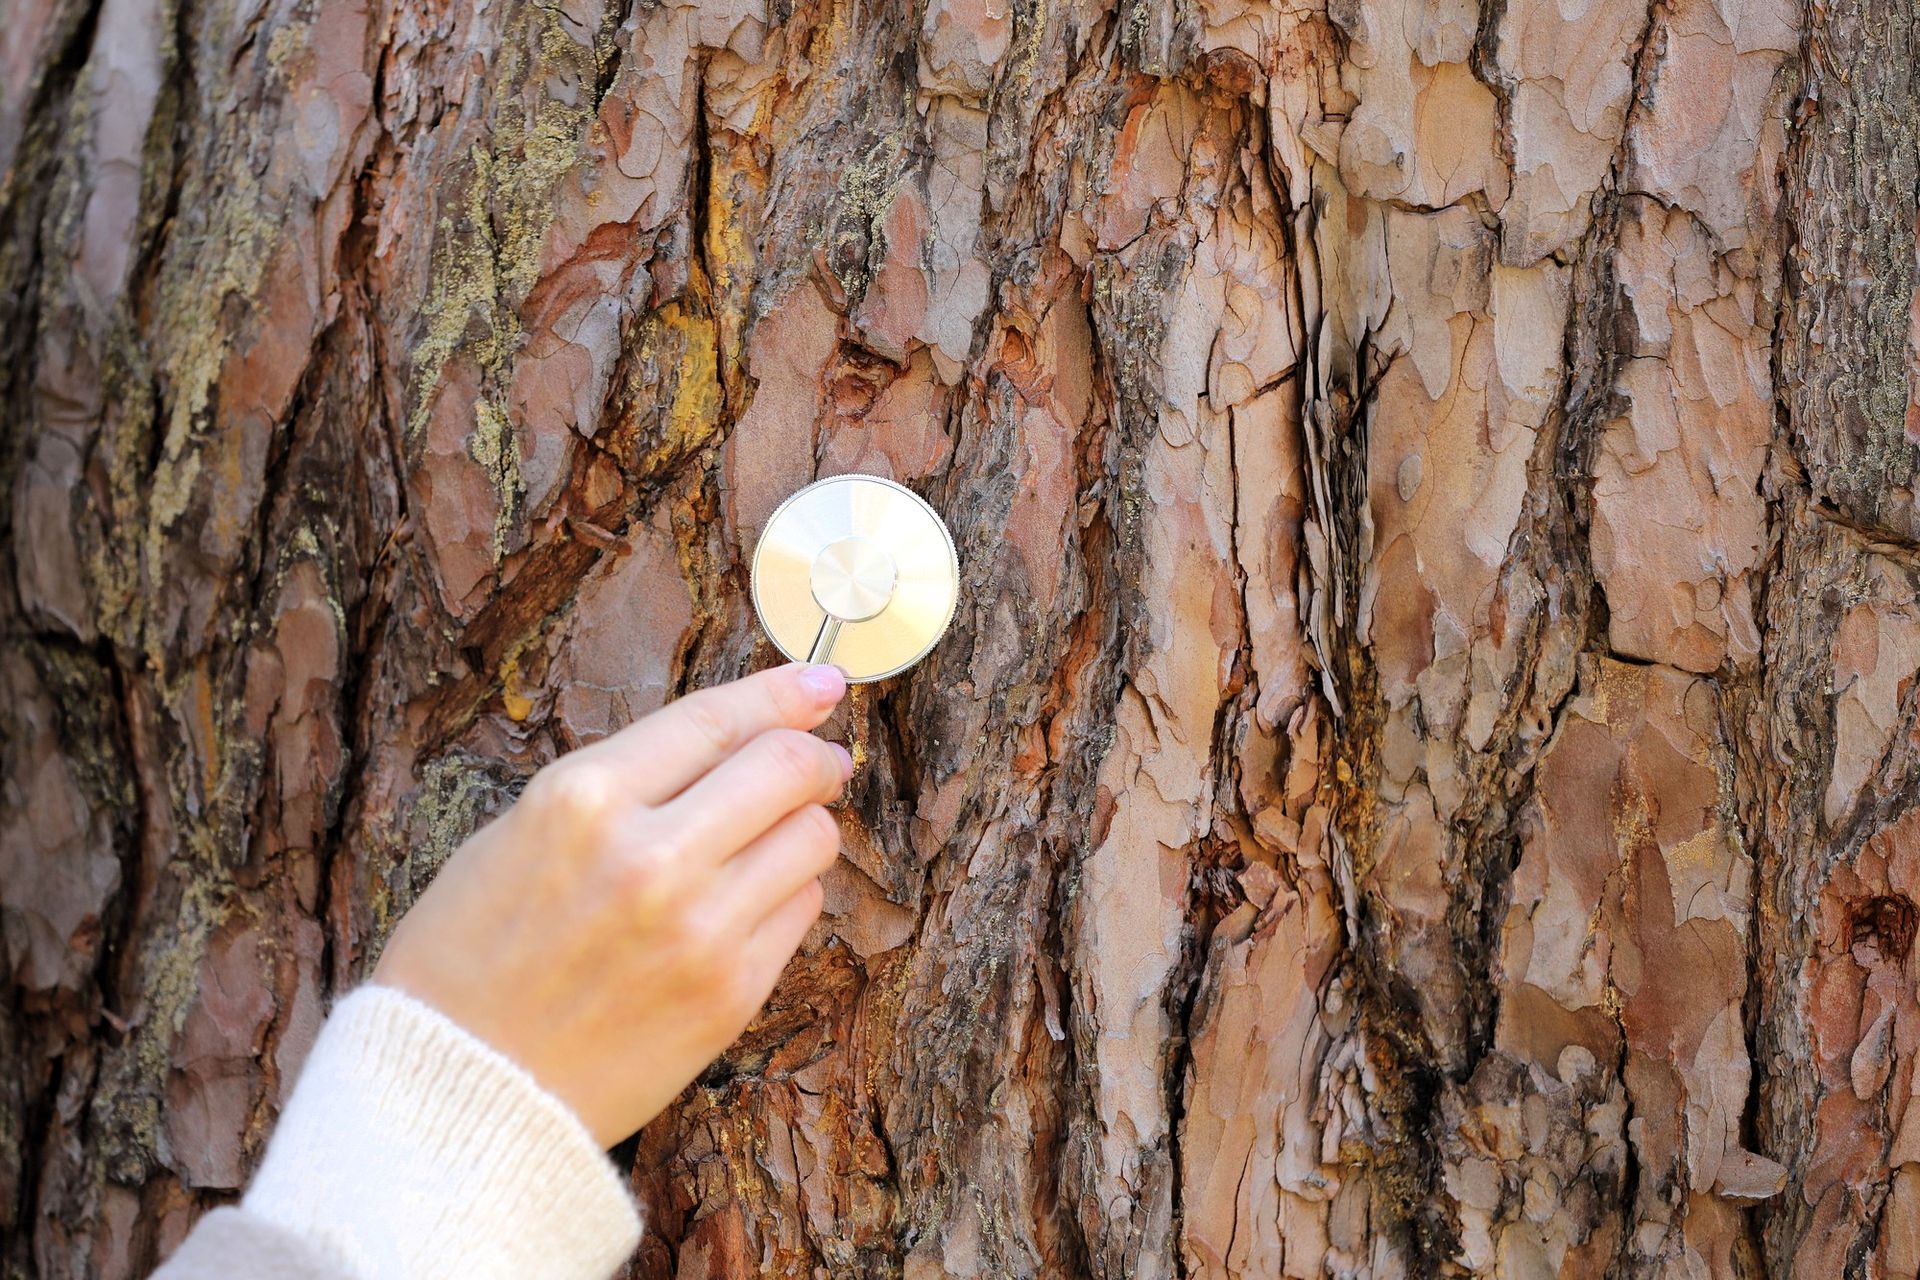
1421, 779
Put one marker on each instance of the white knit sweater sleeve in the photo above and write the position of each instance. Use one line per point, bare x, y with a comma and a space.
411, 1149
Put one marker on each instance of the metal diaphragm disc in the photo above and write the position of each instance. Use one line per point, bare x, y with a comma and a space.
873, 551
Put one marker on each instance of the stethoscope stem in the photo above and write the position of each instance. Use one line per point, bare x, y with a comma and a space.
823, 642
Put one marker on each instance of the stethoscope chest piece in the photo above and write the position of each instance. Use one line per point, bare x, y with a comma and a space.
856, 571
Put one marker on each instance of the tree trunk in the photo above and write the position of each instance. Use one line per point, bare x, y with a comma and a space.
1421, 779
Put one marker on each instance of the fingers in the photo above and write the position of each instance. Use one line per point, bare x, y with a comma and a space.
779, 864
752, 789
768, 948
666, 752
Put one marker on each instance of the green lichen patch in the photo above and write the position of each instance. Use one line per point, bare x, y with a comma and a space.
488, 257
496, 448
126, 1106
488, 252
458, 794
462, 311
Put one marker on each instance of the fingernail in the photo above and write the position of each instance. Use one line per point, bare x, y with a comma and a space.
827, 681
846, 758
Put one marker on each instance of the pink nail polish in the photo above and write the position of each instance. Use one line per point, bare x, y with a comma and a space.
827, 681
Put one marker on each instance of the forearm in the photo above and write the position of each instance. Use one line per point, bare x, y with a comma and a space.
411, 1149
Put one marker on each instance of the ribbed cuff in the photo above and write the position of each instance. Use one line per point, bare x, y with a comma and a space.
412, 1149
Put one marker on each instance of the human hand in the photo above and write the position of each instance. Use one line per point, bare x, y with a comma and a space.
619, 926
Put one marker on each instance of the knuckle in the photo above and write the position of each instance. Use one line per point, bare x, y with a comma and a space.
643, 880
580, 796
707, 720
801, 760
697, 939
664, 843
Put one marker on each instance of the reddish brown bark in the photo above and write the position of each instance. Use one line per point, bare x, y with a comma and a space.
1420, 781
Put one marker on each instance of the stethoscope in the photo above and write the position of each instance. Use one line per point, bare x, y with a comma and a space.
857, 571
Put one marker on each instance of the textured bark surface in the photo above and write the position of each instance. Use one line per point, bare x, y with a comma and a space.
1421, 779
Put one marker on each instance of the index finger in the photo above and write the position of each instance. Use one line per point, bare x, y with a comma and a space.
668, 751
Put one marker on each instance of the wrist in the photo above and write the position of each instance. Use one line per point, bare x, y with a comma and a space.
412, 1148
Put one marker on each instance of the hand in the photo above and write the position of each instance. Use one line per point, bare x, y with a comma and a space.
619, 926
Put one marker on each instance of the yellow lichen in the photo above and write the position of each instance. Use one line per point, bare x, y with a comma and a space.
194, 342
516, 175
128, 1100
465, 285
487, 260
286, 41
537, 156
496, 447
